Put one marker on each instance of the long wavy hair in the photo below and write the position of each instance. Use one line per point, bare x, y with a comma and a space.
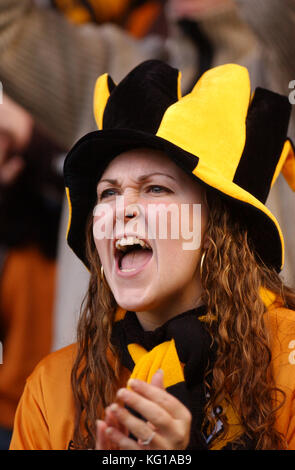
231, 279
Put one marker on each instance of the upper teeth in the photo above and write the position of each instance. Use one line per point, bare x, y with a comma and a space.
122, 243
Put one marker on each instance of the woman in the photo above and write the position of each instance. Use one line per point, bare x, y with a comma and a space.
181, 343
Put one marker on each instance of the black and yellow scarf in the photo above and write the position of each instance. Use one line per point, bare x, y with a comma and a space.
183, 349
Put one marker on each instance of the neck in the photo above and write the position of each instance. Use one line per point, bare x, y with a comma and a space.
153, 318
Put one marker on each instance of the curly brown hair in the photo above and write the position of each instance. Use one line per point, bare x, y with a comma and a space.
232, 277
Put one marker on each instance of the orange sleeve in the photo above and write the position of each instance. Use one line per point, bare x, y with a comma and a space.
282, 324
44, 418
30, 430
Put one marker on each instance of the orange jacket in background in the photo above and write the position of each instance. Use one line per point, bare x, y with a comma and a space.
26, 304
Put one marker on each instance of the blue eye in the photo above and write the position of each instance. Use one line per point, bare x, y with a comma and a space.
157, 189
106, 193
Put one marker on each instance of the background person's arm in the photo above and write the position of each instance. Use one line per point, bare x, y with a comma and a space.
49, 66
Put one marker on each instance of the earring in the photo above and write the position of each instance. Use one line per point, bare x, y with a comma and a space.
202, 262
102, 276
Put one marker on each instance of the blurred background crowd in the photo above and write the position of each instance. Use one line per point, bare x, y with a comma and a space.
51, 52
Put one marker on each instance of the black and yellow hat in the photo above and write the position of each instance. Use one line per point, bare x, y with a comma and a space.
225, 137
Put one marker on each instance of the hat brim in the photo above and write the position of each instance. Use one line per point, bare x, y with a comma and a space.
89, 157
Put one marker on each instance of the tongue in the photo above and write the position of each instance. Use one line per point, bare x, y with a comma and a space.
135, 259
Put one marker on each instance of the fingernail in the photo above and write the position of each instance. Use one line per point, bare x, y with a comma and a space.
109, 430
132, 383
114, 407
121, 392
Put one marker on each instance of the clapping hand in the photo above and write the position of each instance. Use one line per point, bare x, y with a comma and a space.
167, 424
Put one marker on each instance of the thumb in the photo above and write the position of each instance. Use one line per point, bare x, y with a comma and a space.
11, 169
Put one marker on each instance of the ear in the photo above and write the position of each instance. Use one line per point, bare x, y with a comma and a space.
286, 165
205, 242
103, 88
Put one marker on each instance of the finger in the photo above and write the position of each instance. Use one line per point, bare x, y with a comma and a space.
122, 441
158, 379
112, 421
99, 445
136, 426
11, 169
102, 440
5, 144
148, 409
159, 396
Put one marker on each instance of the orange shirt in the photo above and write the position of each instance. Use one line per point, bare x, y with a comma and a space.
26, 305
45, 415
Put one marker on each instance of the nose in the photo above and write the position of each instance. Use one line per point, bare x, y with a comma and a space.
132, 211
128, 210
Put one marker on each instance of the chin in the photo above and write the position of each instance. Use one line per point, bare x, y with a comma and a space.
134, 302
133, 306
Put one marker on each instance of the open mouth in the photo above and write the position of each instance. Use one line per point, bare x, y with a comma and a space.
132, 254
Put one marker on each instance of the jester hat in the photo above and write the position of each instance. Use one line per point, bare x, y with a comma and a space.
225, 137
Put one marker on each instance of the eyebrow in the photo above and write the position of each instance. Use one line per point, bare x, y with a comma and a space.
139, 179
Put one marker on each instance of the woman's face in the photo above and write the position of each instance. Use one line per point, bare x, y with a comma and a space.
156, 216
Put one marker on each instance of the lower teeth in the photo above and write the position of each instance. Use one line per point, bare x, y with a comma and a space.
127, 270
